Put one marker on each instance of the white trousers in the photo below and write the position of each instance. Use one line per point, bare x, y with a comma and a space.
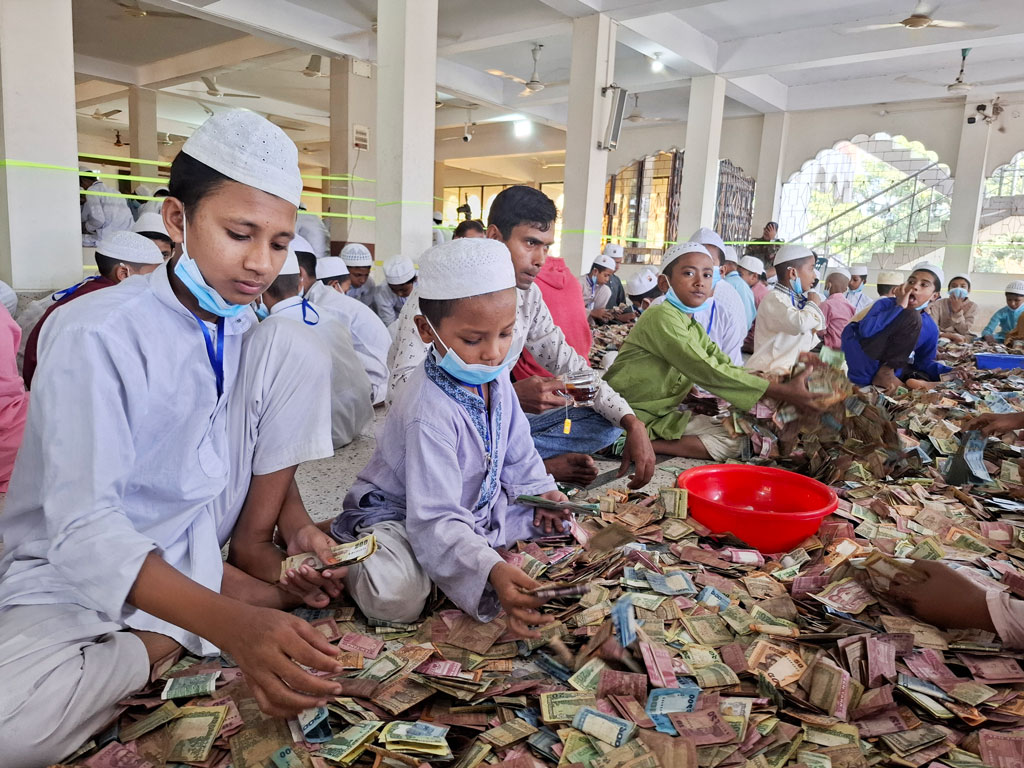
391, 585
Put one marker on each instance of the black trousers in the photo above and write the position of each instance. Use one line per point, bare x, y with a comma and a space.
893, 345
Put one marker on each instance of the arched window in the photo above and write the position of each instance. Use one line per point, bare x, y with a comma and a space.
1001, 226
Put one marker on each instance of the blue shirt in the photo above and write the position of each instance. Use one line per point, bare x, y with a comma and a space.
882, 313
1002, 322
749, 306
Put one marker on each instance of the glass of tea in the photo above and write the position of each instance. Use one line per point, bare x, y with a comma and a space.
581, 386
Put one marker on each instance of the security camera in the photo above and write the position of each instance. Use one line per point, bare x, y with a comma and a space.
467, 137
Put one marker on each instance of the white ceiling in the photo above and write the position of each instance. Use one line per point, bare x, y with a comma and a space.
776, 54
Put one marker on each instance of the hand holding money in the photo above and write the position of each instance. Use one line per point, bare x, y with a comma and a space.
512, 586
316, 564
945, 598
552, 520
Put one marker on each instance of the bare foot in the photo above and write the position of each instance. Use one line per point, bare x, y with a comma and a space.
886, 379
577, 468
252, 591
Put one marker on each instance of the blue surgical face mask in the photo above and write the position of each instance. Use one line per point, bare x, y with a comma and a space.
923, 306
261, 310
672, 298
960, 293
858, 289
716, 276
474, 374
188, 272
797, 285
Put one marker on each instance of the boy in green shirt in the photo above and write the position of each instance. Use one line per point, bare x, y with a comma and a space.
668, 352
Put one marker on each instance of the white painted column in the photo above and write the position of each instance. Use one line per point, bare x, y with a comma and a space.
586, 166
353, 102
142, 130
768, 189
406, 84
699, 188
40, 222
968, 193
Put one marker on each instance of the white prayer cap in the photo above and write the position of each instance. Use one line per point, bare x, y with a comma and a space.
752, 264
730, 255
130, 248
291, 264
614, 250
249, 149
961, 276
87, 169
299, 243
708, 236
438, 216
144, 189
469, 266
890, 278
151, 221
1017, 286
331, 266
678, 250
940, 276
357, 255
603, 260
857, 270
789, 253
641, 283
399, 270
840, 270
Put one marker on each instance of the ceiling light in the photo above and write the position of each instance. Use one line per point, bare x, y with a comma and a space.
522, 128
656, 64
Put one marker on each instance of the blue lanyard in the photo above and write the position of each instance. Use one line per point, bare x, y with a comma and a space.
307, 307
216, 356
68, 291
711, 319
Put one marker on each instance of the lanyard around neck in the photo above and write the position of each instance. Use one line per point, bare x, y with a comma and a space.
216, 355
711, 319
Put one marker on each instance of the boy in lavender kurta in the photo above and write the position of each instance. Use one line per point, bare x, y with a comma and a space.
454, 453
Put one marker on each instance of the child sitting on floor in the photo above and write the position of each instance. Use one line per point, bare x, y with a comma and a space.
668, 352
955, 314
837, 310
897, 339
1005, 319
788, 319
439, 492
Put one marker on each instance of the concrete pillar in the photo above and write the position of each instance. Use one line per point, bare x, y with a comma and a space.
699, 189
586, 166
968, 193
353, 102
142, 130
406, 84
768, 190
40, 233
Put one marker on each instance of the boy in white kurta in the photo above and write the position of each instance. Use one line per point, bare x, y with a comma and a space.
155, 411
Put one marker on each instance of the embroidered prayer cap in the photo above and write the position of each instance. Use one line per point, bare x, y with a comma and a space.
641, 283
961, 276
840, 270
752, 264
130, 248
469, 266
602, 260
249, 149
331, 266
857, 270
151, 221
614, 250
708, 236
399, 270
939, 275
890, 278
357, 255
299, 244
788, 253
679, 249
730, 255
1017, 286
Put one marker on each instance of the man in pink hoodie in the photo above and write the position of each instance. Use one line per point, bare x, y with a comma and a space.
564, 298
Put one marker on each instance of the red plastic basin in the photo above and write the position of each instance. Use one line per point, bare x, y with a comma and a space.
772, 510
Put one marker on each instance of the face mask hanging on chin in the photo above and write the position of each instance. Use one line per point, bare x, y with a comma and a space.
188, 272
473, 374
672, 298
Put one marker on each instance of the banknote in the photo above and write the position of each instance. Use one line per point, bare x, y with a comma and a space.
348, 553
562, 706
607, 728
192, 733
350, 743
154, 719
507, 734
190, 686
704, 728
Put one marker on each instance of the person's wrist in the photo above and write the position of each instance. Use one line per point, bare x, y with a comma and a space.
631, 423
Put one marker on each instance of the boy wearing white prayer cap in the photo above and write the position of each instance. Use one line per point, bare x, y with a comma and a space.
1005, 318
155, 418
618, 290
455, 451
729, 324
855, 293
119, 255
896, 341
643, 290
439, 235
596, 292
151, 225
104, 210
789, 318
314, 230
391, 295
359, 260
668, 353
325, 282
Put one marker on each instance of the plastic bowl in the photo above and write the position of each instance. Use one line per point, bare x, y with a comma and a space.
772, 510
986, 362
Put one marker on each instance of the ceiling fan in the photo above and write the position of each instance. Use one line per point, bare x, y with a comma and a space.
215, 92
959, 85
118, 142
636, 116
134, 10
532, 85
97, 115
169, 139
920, 18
